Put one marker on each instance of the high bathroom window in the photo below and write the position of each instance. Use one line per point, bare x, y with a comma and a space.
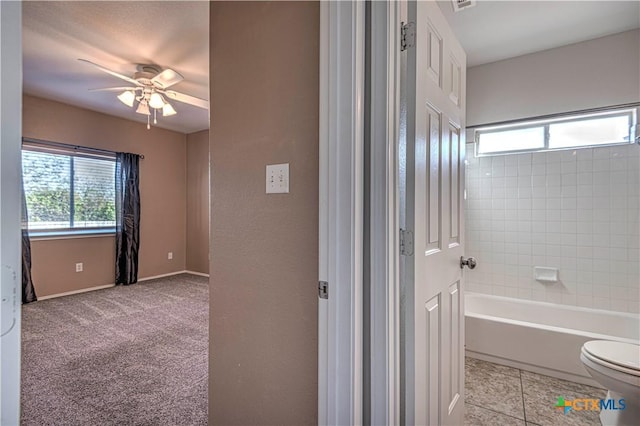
570, 131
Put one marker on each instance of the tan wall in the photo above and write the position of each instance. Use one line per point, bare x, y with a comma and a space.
595, 73
198, 202
264, 260
162, 197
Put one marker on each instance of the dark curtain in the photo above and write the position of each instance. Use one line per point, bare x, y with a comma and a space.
28, 292
127, 218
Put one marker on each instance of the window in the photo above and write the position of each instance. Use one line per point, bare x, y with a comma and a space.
571, 131
68, 192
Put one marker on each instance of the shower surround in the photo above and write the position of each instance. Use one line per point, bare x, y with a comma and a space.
577, 210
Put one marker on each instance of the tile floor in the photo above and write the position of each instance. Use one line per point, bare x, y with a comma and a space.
497, 395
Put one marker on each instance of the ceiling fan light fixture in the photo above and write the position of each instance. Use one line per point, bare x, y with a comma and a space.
127, 97
149, 90
143, 108
156, 101
168, 110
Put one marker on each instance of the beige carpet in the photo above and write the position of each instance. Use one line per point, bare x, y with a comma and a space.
128, 355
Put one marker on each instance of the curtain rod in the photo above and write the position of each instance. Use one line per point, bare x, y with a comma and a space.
556, 115
74, 147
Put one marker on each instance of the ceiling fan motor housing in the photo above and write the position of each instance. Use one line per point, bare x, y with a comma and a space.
146, 73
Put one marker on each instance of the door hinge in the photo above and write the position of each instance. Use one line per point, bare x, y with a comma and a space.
406, 242
323, 289
407, 36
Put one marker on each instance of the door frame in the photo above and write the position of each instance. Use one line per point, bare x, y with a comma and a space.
385, 99
10, 266
343, 74
341, 212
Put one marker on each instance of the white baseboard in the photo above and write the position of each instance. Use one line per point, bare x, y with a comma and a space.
184, 271
101, 287
200, 274
170, 274
69, 293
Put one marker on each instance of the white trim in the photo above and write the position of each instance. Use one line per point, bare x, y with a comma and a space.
71, 236
200, 274
10, 270
323, 217
69, 293
384, 214
101, 287
341, 212
170, 274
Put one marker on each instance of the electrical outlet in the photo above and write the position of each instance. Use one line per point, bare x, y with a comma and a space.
278, 178
170, 255
79, 267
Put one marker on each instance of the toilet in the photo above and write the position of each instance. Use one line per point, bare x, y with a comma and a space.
616, 366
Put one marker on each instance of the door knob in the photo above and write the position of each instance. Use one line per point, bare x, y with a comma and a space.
469, 262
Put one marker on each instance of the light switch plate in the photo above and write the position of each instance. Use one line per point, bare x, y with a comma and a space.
278, 178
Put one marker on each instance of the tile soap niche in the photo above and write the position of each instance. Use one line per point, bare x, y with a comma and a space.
545, 274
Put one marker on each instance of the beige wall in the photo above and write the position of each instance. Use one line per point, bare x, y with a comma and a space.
162, 194
595, 73
264, 259
198, 202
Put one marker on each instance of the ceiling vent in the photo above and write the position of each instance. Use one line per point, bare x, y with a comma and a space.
459, 5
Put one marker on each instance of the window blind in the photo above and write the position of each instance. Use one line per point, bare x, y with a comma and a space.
68, 189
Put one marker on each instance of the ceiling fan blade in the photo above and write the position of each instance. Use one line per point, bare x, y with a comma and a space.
167, 78
114, 89
113, 73
187, 99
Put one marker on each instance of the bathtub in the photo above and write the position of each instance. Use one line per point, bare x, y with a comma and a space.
541, 337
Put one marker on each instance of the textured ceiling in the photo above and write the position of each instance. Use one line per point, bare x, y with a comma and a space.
496, 30
117, 35
175, 34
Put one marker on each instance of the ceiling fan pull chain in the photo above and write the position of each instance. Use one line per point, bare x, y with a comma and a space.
155, 116
148, 125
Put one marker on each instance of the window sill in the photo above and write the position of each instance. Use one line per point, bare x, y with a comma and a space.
67, 235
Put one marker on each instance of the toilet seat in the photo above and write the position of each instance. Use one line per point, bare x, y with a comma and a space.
622, 357
616, 367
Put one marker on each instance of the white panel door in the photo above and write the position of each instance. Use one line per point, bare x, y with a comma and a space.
433, 284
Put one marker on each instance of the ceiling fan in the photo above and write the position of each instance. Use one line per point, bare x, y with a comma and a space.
149, 90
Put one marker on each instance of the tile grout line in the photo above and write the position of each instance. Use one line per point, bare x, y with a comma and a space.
524, 410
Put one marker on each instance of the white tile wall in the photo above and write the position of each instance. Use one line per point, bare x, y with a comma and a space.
576, 210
